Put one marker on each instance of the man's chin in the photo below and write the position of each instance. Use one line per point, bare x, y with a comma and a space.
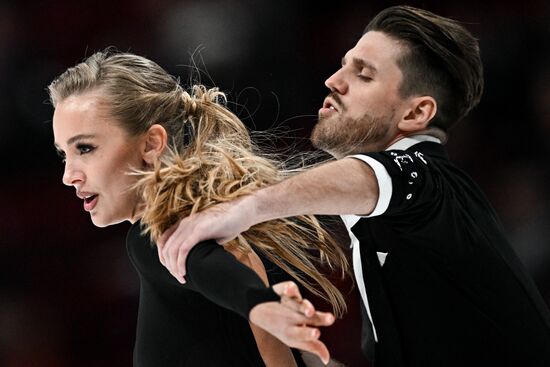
322, 144
318, 133
316, 140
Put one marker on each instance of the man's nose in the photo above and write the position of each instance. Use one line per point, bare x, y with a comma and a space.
337, 83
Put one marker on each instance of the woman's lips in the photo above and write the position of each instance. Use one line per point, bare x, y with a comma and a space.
90, 203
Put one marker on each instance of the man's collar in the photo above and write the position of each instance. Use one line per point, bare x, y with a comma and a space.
407, 142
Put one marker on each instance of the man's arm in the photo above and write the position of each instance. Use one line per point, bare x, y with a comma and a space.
346, 186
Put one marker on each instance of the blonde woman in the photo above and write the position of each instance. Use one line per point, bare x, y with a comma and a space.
138, 147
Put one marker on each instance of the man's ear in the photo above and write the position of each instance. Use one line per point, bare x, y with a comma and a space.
418, 115
156, 139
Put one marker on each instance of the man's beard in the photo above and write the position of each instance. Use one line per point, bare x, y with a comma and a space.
343, 137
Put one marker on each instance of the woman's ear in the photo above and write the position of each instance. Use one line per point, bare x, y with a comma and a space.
155, 141
418, 115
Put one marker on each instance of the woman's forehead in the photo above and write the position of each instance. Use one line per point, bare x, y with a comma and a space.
83, 114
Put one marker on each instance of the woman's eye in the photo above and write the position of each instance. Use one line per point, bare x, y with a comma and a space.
84, 148
364, 77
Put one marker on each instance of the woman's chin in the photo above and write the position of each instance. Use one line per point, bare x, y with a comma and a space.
102, 222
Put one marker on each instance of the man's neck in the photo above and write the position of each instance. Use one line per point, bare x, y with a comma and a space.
433, 132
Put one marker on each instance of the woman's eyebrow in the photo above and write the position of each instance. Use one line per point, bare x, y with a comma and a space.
74, 139
79, 137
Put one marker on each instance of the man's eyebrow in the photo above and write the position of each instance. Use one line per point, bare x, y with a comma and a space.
74, 139
360, 63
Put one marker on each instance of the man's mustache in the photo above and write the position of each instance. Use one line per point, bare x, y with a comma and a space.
336, 98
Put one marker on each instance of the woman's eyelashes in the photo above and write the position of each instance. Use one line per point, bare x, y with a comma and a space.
81, 149
61, 154
84, 148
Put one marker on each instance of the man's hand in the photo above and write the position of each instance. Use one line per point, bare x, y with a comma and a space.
294, 321
222, 222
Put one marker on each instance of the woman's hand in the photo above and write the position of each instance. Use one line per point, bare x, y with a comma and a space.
294, 320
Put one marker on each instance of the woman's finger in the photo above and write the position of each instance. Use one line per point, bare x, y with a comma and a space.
317, 348
288, 289
305, 307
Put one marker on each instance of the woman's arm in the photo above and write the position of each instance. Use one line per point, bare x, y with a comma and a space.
221, 278
273, 351
225, 281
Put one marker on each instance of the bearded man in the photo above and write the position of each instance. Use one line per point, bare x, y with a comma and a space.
439, 282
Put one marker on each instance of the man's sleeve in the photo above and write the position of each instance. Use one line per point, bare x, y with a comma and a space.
221, 278
406, 181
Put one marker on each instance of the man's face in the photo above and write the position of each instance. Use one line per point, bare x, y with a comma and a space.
362, 110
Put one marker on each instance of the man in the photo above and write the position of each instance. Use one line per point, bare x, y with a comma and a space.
439, 283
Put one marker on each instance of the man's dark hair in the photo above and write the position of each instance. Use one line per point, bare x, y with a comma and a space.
442, 60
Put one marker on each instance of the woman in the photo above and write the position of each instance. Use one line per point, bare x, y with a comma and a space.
137, 147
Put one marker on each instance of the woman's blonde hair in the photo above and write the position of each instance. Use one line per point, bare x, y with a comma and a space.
211, 159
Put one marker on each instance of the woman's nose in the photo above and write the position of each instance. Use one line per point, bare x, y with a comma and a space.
72, 175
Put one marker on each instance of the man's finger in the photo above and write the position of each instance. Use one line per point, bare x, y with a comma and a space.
180, 263
173, 259
167, 264
224, 240
166, 234
161, 257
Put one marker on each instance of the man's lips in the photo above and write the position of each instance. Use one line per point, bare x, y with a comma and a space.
330, 104
329, 107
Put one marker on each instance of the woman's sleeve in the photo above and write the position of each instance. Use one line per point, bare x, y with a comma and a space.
220, 277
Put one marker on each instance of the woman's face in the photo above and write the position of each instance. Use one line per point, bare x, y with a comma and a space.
98, 155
